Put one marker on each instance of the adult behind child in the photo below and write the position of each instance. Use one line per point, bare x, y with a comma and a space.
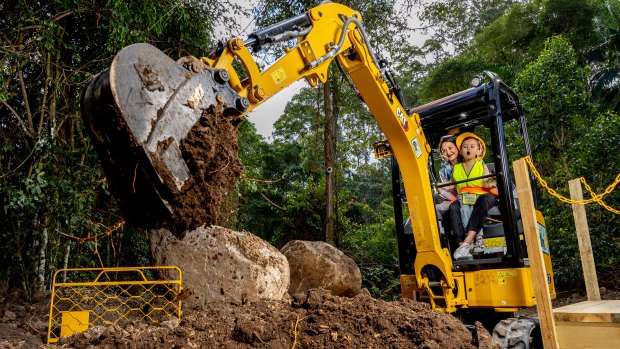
450, 156
476, 196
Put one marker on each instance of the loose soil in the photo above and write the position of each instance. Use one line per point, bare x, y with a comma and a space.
313, 320
211, 152
135, 174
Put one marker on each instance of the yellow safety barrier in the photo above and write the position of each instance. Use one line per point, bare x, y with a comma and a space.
106, 296
598, 198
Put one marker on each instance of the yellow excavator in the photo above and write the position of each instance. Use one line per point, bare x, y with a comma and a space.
145, 111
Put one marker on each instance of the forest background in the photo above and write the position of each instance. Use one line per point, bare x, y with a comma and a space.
562, 57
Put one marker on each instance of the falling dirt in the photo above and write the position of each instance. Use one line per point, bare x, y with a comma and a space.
313, 320
211, 154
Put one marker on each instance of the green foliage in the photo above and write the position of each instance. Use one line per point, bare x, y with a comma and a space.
373, 246
596, 159
52, 189
554, 97
604, 54
574, 19
512, 39
279, 198
455, 22
563, 126
450, 77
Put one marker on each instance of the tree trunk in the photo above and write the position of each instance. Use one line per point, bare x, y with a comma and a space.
40, 284
330, 154
65, 262
334, 131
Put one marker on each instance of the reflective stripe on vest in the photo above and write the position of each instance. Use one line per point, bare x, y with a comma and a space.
475, 186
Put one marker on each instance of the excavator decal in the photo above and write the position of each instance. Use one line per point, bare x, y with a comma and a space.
416, 147
403, 119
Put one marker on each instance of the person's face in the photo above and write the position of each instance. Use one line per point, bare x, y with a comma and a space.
470, 149
448, 151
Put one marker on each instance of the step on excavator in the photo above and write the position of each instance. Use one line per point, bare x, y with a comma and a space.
165, 132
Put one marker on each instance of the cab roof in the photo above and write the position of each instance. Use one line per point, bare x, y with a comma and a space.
465, 110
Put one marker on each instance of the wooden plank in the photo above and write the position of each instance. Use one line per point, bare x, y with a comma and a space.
588, 335
590, 311
583, 237
534, 251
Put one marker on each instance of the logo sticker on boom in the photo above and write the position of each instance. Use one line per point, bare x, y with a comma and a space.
416, 147
278, 76
403, 118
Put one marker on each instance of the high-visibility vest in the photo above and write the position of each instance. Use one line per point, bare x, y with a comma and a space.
475, 186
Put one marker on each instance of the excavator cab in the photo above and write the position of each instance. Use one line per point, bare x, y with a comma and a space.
497, 282
484, 108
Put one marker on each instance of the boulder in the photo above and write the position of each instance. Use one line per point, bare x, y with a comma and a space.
316, 264
220, 264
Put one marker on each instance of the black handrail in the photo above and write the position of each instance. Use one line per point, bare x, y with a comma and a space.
465, 180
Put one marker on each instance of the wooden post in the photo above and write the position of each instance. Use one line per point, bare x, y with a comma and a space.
583, 237
534, 251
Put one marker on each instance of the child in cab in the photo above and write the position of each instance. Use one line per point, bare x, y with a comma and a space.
475, 197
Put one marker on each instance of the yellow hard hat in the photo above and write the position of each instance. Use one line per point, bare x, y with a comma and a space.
463, 136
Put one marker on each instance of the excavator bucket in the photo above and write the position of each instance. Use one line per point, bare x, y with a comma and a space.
166, 134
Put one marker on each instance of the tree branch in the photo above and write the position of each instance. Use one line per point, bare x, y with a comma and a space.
19, 119
90, 238
271, 202
48, 74
20, 75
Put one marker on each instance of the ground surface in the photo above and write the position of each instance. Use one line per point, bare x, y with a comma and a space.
314, 320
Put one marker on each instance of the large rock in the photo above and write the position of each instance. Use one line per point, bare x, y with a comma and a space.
315, 264
220, 264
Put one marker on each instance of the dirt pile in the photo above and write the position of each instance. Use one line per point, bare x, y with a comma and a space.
313, 320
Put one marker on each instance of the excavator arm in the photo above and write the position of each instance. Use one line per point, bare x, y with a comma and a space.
146, 112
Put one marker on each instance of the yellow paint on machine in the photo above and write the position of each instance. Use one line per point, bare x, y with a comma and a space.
278, 75
499, 288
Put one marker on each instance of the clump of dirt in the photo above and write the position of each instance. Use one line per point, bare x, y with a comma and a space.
22, 324
316, 319
211, 154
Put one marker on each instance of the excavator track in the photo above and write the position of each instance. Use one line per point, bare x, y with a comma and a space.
166, 134
521, 332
